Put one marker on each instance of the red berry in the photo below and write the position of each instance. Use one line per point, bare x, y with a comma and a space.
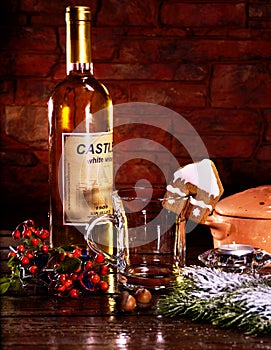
33, 269
74, 293
20, 248
60, 287
35, 242
16, 234
95, 278
68, 283
74, 276
29, 253
27, 233
88, 265
77, 253
44, 234
62, 278
44, 248
104, 270
38, 233
103, 285
11, 254
24, 260
99, 258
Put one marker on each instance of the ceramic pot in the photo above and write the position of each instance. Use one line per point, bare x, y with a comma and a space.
243, 218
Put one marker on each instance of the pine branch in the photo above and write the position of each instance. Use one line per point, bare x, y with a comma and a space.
224, 299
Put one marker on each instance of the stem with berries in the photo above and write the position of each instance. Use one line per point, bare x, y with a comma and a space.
64, 271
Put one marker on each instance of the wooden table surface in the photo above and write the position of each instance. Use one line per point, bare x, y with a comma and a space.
94, 322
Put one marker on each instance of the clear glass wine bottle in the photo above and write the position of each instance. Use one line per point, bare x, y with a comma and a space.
80, 139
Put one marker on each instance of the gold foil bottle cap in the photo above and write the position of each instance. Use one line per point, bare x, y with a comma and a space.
78, 13
78, 31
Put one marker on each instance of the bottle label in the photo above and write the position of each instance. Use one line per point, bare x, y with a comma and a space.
87, 176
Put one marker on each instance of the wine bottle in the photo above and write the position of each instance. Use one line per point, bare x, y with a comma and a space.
80, 117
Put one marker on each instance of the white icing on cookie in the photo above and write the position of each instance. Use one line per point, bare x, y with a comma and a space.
196, 212
176, 190
200, 204
201, 175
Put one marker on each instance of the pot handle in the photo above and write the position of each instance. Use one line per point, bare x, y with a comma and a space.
220, 230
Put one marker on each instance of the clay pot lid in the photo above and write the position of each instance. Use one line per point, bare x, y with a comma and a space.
252, 203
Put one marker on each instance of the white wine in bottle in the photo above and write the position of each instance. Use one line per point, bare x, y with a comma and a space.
80, 139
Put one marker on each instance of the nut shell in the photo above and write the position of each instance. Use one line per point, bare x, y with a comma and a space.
143, 296
127, 302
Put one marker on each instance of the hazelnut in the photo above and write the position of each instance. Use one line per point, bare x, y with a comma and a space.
143, 297
127, 301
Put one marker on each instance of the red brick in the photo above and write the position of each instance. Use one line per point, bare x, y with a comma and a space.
170, 94
191, 50
119, 91
229, 33
7, 91
136, 71
224, 146
34, 65
154, 71
153, 50
137, 169
14, 64
28, 125
231, 146
241, 86
136, 12
24, 159
267, 116
59, 71
264, 153
8, 143
227, 49
247, 172
106, 43
33, 92
265, 25
203, 15
260, 11
156, 32
214, 121
129, 134
22, 38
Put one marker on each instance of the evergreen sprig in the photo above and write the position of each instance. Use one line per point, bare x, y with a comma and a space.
224, 299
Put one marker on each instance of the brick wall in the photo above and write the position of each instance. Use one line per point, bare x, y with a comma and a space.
207, 61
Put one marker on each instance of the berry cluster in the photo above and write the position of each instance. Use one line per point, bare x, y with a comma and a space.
34, 248
67, 271
77, 272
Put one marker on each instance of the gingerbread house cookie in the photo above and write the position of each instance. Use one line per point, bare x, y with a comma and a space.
198, 184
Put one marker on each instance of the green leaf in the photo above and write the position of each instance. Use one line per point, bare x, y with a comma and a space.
15, 284
4, 284
66, 248
12, 262
69, 265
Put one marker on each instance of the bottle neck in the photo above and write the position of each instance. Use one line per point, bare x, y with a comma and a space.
78, 40
79, 68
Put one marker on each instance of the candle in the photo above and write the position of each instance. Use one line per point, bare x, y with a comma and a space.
236, 249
